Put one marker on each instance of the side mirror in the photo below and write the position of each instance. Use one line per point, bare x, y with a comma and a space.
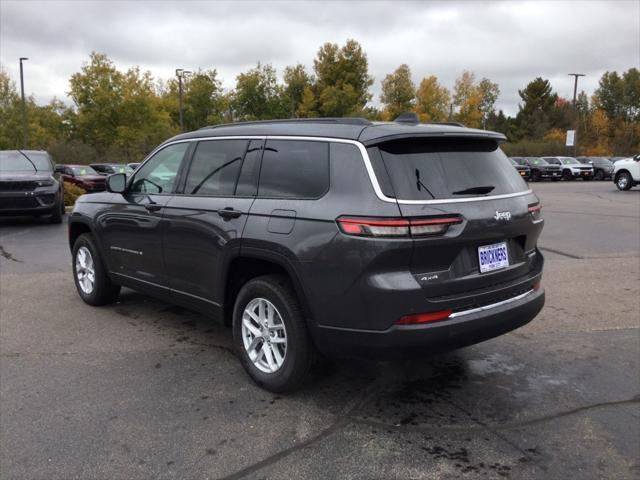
117, 183
637, 158
58, 169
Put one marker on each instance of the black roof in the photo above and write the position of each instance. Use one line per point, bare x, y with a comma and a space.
359, 129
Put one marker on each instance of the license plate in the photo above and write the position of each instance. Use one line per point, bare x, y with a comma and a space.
493, 257
555, 174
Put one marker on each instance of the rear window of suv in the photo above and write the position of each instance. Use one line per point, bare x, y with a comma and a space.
426, 169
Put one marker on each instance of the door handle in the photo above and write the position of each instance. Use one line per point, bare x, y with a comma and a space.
153, 207
229, 212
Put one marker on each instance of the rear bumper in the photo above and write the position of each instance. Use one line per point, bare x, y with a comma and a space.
466, 328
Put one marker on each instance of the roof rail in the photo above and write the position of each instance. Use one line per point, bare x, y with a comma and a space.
338, 120
452, 124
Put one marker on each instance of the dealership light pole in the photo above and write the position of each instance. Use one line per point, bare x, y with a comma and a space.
180, 73
575, 109
25, 138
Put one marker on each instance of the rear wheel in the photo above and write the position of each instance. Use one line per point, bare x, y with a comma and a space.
92, 282
270, 334
624, 181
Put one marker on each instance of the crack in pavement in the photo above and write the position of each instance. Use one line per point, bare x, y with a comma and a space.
507, 426
342, 420
558, 252
8, 256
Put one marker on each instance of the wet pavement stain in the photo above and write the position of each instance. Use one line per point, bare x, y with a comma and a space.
8, 256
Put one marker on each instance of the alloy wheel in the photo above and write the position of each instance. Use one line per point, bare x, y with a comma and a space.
85, 270
264, 335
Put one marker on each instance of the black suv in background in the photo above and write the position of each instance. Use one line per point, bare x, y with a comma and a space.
28, 185
540, 168
523, 170
338, 236
602, 167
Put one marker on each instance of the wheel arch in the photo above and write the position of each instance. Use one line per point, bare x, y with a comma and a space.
248, 265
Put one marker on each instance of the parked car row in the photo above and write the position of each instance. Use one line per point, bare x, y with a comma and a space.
624, 172
91, 178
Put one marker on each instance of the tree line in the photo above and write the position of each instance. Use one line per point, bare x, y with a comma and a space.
121, 115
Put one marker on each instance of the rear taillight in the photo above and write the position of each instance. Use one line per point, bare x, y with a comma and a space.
396, 227
420, 318
535, 210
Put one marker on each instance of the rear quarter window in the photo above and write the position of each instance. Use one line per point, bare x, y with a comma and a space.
294, 169
427, 169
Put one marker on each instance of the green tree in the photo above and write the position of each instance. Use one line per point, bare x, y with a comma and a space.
258, 96
619, 96
119, 114
296, 80
533, 119
489, 92
342, 82
398, 92
433, 101
203, 101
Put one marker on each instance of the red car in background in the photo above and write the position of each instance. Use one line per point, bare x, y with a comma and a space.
83, 176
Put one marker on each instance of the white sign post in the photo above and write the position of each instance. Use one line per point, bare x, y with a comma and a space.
571, 138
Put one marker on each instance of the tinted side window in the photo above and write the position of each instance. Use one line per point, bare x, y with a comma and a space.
215, 167
294, 169
248, 180
159, 174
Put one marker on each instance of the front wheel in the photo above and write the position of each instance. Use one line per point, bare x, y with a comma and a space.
535, 176
58, 212
624, 181
567, 175
270, 334
92, 282
599, 175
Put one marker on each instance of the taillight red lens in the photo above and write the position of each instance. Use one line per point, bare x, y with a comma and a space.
535, 210
396, 227
419, 318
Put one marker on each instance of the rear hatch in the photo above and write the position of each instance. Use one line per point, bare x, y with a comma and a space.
490, 254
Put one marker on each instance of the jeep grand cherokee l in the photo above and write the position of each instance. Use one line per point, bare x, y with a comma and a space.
28, 185
540, 168
571, 168
338, 236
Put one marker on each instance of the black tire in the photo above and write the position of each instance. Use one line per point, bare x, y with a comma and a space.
599, 175
555, 179
104, 290
624, 181
299, 352
58, 212
535, 176
567, 175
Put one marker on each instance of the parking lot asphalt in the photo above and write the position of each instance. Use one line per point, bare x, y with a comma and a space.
143, 389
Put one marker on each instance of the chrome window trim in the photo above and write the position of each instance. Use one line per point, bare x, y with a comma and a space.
489, 307
365, 158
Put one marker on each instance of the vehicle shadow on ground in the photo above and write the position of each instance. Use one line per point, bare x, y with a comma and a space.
29, 221
414, 392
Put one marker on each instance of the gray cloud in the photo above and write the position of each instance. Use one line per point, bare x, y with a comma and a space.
509, 42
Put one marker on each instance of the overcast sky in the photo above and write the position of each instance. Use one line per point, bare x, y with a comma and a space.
509, 42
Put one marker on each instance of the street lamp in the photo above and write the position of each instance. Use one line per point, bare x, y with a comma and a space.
24, 108
181, 73
575, 110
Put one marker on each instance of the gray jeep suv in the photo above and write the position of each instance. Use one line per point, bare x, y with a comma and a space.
337, 237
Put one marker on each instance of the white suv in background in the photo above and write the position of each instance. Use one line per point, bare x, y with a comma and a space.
626, 173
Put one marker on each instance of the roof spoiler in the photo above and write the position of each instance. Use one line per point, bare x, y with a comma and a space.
411, 118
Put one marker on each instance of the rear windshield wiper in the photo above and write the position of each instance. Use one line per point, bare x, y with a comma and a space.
420, 185
475, 190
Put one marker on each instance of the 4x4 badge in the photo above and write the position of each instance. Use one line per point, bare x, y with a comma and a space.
506, 216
